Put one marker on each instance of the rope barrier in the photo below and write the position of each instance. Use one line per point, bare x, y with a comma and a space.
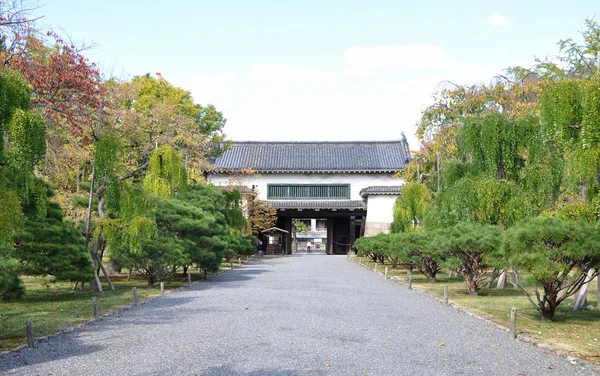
14, 331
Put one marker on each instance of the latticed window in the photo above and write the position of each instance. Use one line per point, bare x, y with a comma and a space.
308, 191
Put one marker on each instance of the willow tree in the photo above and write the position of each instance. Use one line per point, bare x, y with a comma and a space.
22, 146
411, 207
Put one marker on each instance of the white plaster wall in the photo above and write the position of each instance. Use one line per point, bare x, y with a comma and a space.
380, 208
356, 181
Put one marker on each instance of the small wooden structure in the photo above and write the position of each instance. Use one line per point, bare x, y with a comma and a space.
276, 240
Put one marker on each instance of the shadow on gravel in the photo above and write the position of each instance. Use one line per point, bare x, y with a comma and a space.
28, 358
231, 279
228, 371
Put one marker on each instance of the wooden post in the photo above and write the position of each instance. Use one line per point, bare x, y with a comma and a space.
239, 261
162, 289
410, 281
513, 323
30, 338
360, 260
375, 269
446, 295
231, 265
136, 299
386, 271
189, 279
96, 311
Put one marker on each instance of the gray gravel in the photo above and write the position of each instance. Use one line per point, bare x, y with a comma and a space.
302, 315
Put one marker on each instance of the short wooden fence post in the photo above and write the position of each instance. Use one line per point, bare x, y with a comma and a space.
386, 272
30, 338
96, 311
189, 279
513, 323
375, 268
410, 281
136, 299
360, 261
446, 295
162, 289
239, 261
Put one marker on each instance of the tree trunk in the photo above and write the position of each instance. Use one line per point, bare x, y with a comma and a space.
95, 284
106, 276
185, 269
547, 312
150, 282
501, 170
471, 283
547, 307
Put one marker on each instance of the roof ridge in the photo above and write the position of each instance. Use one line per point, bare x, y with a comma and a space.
318, 142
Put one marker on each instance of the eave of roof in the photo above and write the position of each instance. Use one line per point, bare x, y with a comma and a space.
381, 190
318, 204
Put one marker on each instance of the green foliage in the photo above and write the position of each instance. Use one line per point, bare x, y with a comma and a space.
52, 247
233, 213
373, 246
192, 228
470, 249
12, 216
166, 174
27, 134
492, 143
411, 207
555, 255
11, 285
14, 94
107, 152
418, 251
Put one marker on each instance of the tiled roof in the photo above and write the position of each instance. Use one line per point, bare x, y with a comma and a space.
381, 190
349, 156
316, 204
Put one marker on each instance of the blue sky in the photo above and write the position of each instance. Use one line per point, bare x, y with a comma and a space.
317, 70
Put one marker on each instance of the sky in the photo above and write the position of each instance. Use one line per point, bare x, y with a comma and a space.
307, 70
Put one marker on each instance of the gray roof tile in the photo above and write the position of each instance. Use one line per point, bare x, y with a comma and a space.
381, 190
340, 156
316, 204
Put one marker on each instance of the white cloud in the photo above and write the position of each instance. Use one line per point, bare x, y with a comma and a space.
206, 87
362, 60
375, 94
287, 73
498, 20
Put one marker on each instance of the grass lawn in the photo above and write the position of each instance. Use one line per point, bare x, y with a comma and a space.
53, 307
574, 332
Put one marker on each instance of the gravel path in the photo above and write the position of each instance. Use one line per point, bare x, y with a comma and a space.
302, 315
